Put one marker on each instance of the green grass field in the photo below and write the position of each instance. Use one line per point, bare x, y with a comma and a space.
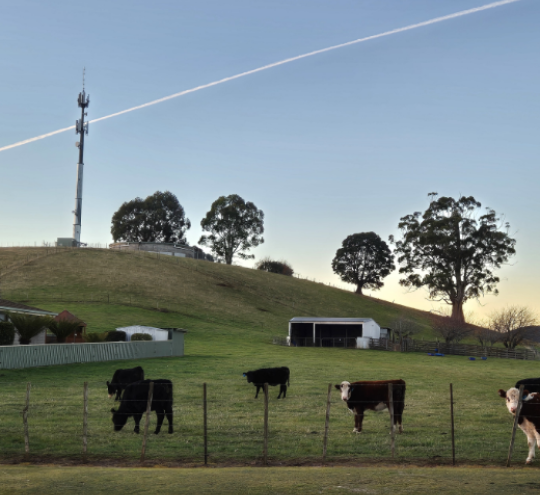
230, 314
254, 481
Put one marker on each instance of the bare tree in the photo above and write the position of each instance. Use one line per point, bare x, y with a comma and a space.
403, 328
450, 329
485, 336
511, 325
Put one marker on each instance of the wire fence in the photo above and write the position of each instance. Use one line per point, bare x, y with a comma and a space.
213, 426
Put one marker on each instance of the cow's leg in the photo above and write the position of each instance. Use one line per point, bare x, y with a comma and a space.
160, 413
258, 388
118, 392
169, 413
282, 390
358, 418
137, 419
398, 422
528, 428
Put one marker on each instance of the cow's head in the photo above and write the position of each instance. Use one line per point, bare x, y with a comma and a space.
249, 376
119, 420
111, 389
345, 389
512, 398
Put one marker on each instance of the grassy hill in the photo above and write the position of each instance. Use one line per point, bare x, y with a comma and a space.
196, 293
230, 314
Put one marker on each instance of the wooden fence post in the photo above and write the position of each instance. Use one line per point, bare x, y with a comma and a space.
265, 445
516, 417
25, 420
205, 425
452, 419
327, 421
147, 419
391, 407
85, 419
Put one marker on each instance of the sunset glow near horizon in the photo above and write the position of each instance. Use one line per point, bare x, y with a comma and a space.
344, 141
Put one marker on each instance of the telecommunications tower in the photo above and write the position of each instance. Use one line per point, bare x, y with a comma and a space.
81, 127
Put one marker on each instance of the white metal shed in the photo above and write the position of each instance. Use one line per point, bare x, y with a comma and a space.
323, 332
156, 333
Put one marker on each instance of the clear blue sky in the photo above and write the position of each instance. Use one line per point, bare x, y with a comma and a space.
346, 141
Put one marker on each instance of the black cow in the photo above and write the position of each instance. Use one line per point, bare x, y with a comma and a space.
272, 376
135, 400
375, 396
122, 378
530, 384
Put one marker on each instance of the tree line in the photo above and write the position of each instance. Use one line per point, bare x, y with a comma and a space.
452, 249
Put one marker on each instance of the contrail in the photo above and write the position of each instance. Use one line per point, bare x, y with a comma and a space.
275, 64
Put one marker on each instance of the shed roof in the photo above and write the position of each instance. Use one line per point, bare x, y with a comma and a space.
67, 316
16, 307
318, 319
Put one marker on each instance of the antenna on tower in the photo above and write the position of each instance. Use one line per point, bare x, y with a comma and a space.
81, 127
83, 71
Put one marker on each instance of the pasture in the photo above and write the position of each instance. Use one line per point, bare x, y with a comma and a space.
299, 480
230, 314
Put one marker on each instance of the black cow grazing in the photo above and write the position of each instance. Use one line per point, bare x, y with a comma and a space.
272, 376
122, 378
529, 415
135, 400
531, 384
360, 396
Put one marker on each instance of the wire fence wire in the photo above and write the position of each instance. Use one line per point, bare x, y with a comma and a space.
235, 427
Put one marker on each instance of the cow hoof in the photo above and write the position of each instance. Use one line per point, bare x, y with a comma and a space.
170, 432
529, 461
357, 431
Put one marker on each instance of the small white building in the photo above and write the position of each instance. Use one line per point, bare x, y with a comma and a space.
7, 307
156, 333
332, 332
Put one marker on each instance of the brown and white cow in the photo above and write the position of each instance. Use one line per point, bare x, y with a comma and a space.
529, 416
360, 396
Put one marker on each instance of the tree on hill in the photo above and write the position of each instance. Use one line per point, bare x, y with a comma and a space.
450, 329
234, 226
453, 251
513, 325
364, 260
158, 218
272, 266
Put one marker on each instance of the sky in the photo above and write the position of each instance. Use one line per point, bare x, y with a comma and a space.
342, 142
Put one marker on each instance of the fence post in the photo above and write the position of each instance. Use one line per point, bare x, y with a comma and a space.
452, 419
147, 419
85, 419
265, 445
25, 420
516, 417
327, 421
205, 425
391, 407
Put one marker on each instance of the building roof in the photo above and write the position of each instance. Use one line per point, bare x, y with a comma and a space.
318, 319
15, 307
67, 316
143, 329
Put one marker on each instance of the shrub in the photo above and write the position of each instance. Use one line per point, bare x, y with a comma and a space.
95, 337
272, 266
116, 336
63, 328
7, 333
28, 326
141, 336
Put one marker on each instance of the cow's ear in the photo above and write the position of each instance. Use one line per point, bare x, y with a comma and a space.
338, 387
502, 393
113, 410
108, 384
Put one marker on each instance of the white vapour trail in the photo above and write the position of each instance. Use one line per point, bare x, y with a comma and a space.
275, 64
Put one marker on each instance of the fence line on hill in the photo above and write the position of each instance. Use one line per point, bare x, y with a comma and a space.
410, 345
440, 428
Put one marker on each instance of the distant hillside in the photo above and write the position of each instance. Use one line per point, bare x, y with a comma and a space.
212, 294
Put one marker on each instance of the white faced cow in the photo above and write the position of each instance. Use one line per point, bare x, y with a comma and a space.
360, 396
529, 416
